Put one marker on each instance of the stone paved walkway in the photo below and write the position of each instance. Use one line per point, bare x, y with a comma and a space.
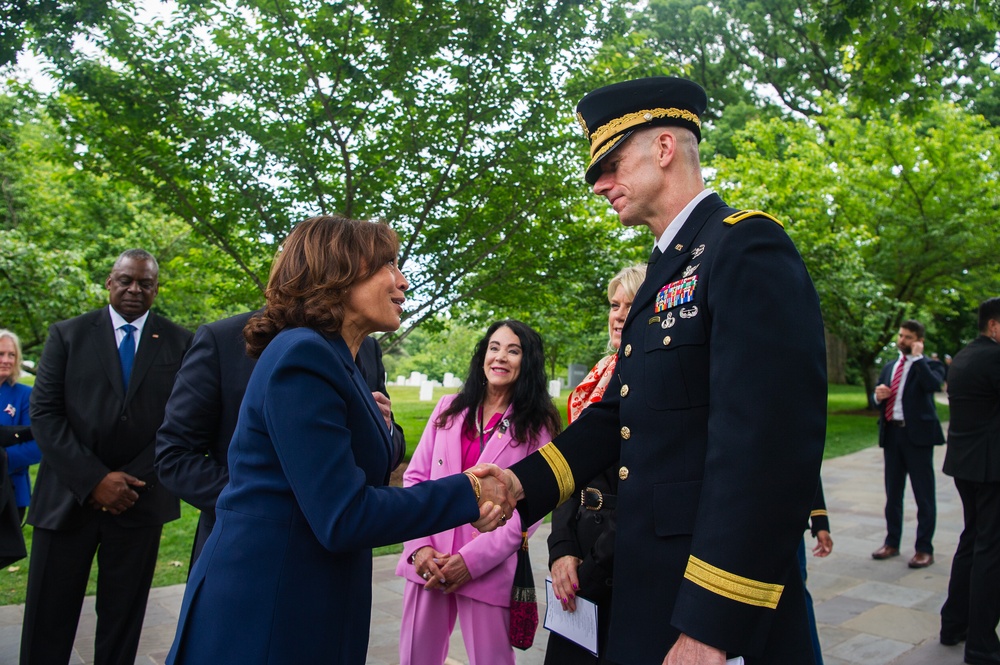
869, 612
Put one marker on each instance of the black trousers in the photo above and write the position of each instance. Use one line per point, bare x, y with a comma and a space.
57, 580
902, 459
973, 603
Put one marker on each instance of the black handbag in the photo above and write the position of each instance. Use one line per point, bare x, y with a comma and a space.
523, 603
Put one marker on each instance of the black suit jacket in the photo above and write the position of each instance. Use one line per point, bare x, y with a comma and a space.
87, 426
718, 467
192, 445
922, 425
974, 428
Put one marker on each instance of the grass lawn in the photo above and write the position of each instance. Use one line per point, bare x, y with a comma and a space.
849, 428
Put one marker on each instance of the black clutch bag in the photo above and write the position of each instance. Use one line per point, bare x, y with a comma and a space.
13, 434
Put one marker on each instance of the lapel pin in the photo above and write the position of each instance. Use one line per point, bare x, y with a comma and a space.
679, 247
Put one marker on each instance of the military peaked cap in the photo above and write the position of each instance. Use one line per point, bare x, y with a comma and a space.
610, 114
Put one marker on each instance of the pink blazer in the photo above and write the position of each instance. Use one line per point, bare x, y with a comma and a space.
488, 556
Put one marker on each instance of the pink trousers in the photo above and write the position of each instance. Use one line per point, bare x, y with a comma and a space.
429, 618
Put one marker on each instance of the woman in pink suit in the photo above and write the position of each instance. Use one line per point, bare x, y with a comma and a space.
502, 414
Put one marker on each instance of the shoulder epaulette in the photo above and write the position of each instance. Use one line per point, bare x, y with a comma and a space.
745, 214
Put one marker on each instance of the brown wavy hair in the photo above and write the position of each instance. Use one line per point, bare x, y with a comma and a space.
319, 260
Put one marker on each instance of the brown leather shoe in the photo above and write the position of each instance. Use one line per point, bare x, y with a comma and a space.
885, 552
921, 560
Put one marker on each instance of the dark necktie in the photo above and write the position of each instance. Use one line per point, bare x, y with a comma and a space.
126, 351
654, 257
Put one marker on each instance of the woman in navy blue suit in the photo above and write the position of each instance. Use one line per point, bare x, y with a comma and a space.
285, 576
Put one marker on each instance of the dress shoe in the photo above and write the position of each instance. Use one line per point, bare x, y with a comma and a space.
885, 552
951, 639
921, 560
982, 657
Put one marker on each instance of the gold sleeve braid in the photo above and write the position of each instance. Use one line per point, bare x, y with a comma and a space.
734, 587
818, 513
560, 469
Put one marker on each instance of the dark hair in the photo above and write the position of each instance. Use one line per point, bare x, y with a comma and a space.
531, 405
319, 260
914, 327
989, 310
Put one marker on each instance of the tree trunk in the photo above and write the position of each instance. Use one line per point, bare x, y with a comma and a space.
836, 359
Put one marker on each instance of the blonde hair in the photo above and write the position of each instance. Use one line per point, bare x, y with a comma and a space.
16, 372
630, 278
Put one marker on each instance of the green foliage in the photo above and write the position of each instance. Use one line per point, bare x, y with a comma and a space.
436, 352
893, 218
50, 23
446, 118
61, 228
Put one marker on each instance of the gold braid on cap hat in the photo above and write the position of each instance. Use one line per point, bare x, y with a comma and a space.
635, 119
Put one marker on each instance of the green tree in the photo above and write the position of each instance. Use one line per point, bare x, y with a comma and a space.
61, 227
774, 58
446, 118
893, 218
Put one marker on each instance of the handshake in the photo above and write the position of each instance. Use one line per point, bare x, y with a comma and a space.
498, 491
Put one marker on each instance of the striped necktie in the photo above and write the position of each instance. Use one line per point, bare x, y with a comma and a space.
897, 377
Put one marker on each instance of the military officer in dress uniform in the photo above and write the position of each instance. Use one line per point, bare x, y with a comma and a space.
717, 415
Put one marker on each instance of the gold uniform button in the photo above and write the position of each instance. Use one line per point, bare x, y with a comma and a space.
624, 390
628, 350
623, 473
626, 432
666, 341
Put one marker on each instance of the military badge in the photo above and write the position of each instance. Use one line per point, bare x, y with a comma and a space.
689, 312
690, 270
676, 293
697, 251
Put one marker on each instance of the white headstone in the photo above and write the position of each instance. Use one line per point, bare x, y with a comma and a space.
426, 391
554, 388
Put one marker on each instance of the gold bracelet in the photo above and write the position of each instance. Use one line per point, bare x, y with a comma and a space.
476, 485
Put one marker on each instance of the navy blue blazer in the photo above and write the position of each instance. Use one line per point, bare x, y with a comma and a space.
922, 425
285, 576
193, 442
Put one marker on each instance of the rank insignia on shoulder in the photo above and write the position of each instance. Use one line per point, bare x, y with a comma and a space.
747, 214
676, 293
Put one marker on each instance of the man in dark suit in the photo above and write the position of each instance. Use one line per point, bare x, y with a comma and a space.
192, 444
973, 460
908, 431
718, 468
103, 381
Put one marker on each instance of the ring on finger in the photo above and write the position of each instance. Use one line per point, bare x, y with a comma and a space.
426, 575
